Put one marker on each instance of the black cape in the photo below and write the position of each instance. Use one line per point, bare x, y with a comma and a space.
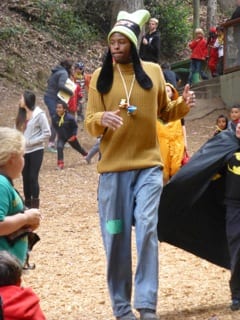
191, 210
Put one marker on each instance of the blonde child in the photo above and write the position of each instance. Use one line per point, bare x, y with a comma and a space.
13, 217
199, 53
172, 140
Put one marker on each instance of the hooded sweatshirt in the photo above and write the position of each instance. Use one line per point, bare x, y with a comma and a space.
57, 82
199, 48
151, 51
20, 303
37, 131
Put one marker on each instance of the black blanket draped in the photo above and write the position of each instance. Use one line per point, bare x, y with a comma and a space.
191, 211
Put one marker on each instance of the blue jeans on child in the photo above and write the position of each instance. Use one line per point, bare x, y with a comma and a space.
196, 67
125, 199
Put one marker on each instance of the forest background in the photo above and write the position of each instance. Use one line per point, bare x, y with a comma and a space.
36, 34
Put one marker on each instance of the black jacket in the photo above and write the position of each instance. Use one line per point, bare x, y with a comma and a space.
151, 51
57, 81
192, 211
67, 129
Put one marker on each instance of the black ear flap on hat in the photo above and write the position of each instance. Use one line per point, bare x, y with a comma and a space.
142, 78
105, 79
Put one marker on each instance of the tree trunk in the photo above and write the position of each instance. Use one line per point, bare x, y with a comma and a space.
126, 5
211, 13
196, 14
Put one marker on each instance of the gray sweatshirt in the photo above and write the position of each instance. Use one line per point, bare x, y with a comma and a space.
37, 131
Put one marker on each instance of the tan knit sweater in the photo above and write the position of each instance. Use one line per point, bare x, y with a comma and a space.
134, 145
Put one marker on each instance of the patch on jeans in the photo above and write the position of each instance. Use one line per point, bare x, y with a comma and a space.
114, 226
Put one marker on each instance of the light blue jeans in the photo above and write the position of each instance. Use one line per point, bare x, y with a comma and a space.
125, 199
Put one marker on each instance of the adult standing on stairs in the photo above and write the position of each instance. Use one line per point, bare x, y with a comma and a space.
33, 122
150, 44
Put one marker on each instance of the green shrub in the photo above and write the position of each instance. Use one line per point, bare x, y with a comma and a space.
63, 23
10, 30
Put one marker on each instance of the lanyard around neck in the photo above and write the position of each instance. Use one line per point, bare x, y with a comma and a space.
128, 93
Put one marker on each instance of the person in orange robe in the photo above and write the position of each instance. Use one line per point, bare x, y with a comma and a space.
172, 140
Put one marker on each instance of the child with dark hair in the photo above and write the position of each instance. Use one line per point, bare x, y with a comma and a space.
221, 124
219, 44
212, 57
33, 123
66, 128
17, 302
234, 117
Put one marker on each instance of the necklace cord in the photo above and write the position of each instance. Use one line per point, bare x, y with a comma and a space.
128, 93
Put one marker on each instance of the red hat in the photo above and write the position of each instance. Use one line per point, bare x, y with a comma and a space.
213, 29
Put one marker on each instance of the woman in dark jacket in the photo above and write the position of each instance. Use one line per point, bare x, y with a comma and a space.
56, 83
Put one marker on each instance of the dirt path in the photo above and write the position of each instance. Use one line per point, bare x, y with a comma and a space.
70, 263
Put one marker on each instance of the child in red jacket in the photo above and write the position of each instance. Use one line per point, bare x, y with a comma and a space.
75, 99
83, 80
16, 302
199, 54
